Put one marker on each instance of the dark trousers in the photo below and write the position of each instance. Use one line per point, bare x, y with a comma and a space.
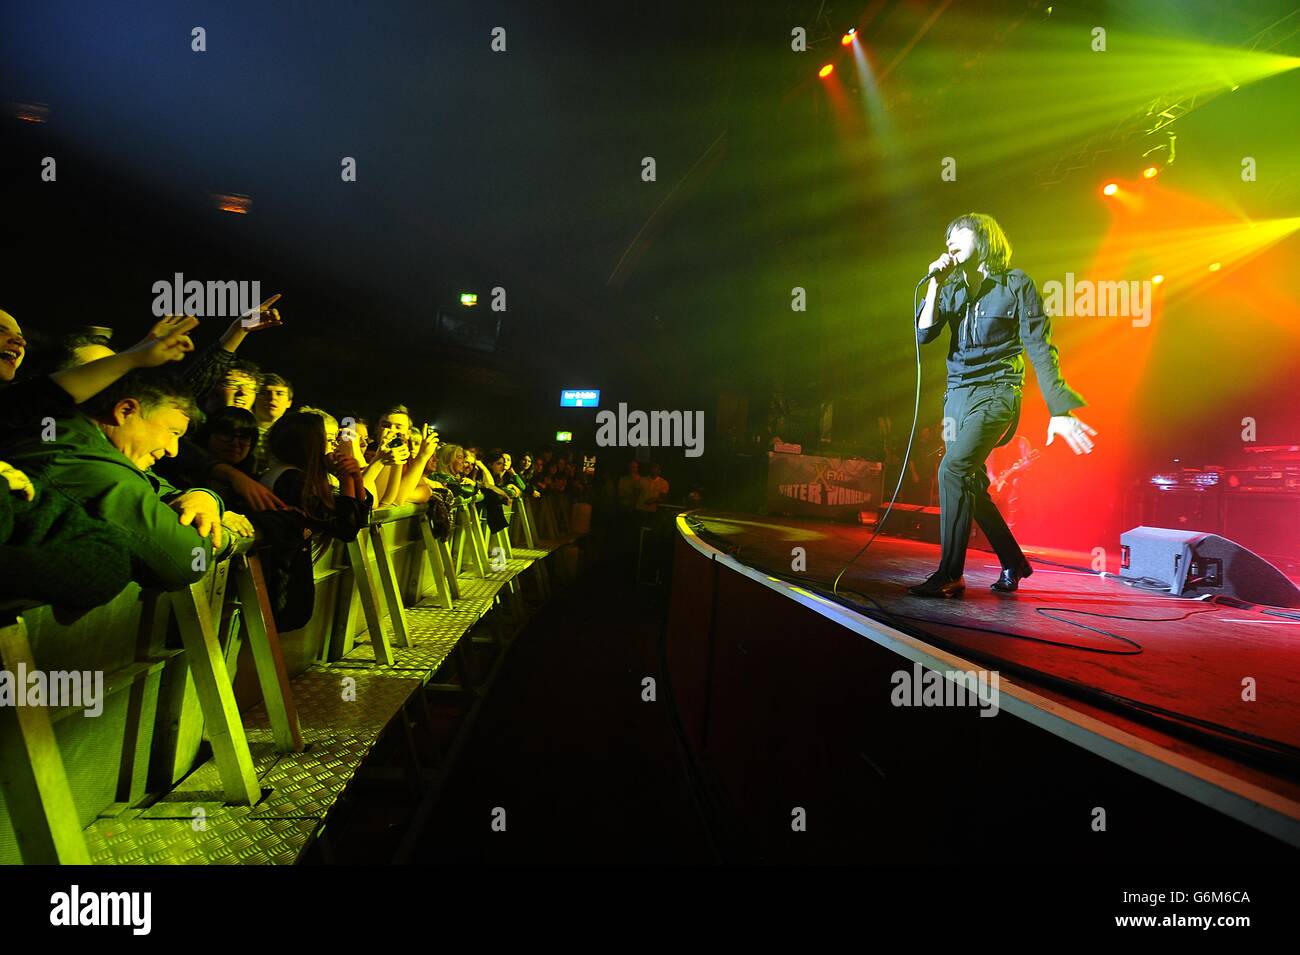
982, 416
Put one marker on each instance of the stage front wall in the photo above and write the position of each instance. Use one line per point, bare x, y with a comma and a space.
783, 709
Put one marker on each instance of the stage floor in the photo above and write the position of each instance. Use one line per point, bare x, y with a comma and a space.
1171, 670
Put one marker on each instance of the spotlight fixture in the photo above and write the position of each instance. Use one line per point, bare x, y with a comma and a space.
826, 70
848, 37
1150, 172
233, 202
28, 112
1110, 189
1215, 266
1157, 279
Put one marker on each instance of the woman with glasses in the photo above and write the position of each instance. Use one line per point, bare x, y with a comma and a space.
229, 435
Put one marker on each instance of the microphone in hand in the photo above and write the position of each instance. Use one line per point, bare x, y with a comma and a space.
941, 266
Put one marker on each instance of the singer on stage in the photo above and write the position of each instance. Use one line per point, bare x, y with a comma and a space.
993, 314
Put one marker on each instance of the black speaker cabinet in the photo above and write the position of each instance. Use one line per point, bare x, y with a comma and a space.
1183, 508
914, 522
1268, 522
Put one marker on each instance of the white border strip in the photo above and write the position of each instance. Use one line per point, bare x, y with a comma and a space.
1257, 807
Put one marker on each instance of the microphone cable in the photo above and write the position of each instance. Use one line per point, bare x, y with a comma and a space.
907, 454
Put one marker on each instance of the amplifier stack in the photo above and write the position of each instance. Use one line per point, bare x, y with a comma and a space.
1257, 506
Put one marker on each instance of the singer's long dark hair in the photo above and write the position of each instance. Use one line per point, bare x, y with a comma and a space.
991, 243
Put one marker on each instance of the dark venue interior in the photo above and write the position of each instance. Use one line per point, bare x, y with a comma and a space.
734, 434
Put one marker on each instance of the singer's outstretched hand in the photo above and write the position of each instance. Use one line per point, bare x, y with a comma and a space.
1074, 431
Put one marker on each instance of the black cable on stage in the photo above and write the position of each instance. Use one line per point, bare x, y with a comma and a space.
819, 587
1239, 741
1075, 567
1282, 613
891, 615
907, 454
1148, 584
1117, 616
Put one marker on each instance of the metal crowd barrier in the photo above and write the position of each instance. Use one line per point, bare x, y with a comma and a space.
172, 675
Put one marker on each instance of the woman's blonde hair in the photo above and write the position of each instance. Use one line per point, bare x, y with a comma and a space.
321, 413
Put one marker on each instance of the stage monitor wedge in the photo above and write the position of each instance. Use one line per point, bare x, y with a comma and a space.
1191, 564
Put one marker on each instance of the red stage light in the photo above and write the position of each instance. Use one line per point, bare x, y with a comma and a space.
848, 37
826, 70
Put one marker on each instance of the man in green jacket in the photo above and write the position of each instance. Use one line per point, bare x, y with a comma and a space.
102, 454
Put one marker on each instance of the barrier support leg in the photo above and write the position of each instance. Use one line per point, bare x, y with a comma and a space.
268, 655
32, 776
392, 592
369, 602
216, 698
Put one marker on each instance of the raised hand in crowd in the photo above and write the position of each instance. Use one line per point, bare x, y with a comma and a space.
429, 443
395, 456
19, 483
350, 444
262, 317
167, 341
344, 465
487, 481
424, 446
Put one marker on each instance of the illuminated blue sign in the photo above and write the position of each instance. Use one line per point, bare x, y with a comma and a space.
574, 398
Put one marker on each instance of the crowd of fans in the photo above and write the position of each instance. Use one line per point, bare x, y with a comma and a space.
642, 492
147, 465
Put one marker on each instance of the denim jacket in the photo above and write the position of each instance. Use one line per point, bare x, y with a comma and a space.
990, 334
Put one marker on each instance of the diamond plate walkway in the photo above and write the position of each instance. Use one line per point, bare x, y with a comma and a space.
343, 709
